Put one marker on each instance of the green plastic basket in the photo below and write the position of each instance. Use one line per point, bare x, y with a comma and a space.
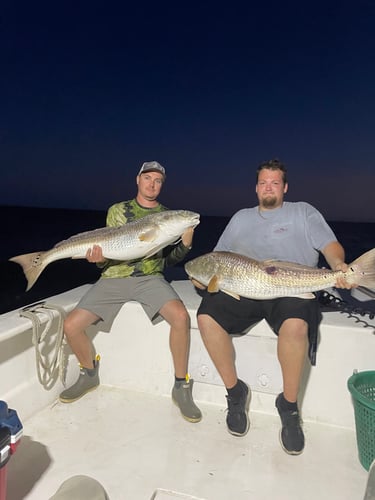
362, 388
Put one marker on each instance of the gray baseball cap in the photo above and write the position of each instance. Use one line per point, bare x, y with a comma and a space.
152, 166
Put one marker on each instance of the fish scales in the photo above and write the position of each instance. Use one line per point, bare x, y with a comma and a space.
137, 239
238, 275
116, 242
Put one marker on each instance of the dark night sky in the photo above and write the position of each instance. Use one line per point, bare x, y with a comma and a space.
90, 90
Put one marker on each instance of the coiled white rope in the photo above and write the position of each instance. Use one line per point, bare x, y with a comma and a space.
46, 368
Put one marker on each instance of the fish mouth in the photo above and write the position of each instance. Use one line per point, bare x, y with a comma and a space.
196, 221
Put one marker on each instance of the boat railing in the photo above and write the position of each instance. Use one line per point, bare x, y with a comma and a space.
135, 356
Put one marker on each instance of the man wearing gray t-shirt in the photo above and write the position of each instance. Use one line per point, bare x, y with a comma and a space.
275, 229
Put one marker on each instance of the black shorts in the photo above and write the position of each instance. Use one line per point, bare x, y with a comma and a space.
237, 316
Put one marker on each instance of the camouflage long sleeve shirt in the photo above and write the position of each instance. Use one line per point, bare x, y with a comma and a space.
127, 211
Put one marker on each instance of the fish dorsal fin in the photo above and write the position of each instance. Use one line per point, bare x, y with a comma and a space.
272, 265
149, 235
213, 284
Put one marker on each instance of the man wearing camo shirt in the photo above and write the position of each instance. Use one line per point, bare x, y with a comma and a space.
142, 281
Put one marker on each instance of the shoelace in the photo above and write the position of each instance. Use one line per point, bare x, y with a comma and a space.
291, 418
234, 405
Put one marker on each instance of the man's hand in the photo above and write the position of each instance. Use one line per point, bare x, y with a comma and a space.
187, 237
95, 254
341, 281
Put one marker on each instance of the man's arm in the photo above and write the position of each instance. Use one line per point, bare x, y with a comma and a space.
179, 252
334, 254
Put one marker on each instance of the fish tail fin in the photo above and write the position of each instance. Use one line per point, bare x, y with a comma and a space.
32, 265
364, 269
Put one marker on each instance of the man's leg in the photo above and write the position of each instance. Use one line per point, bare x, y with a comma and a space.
291, 350
74, 328
75, 325
176, 315
219, 346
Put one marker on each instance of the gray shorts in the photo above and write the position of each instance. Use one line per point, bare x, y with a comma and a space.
108, 295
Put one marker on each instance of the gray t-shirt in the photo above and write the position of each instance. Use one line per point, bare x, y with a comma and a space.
295, 232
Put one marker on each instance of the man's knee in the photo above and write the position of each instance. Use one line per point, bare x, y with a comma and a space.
294, 328
201, 322
205, 323
184, 316
77, 321
68, 326
176, 314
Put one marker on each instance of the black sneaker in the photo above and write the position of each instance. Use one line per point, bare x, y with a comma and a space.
238, 422
291, 434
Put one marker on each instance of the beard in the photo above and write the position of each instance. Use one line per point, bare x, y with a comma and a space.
269, 202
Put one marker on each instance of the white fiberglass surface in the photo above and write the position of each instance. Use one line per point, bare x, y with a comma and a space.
135, 443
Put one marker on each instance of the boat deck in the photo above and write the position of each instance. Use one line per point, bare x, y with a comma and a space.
135, 443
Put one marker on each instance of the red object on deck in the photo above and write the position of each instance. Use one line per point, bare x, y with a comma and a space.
10, 435
3, 483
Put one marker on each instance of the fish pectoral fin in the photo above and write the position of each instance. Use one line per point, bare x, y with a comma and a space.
213, 284
232, 294
153, 251
198, 284
149, 235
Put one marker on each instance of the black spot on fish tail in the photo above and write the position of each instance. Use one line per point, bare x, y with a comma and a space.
36, 261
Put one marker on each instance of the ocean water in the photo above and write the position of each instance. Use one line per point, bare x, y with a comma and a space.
33, 229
